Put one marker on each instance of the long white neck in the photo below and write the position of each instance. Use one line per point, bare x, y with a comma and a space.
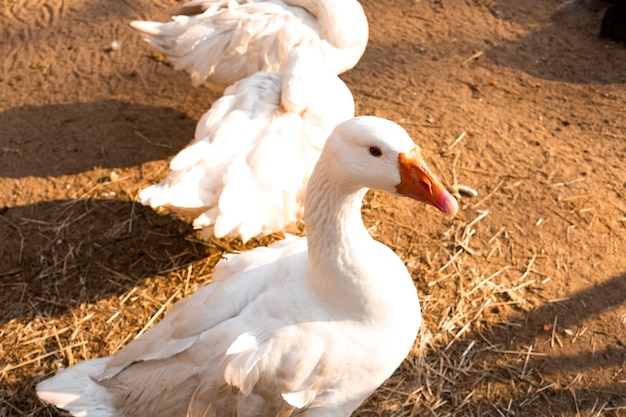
344, 27
338, 242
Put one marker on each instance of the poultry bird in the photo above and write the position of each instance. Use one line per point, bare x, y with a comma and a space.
219, 42
309, 326
245, 174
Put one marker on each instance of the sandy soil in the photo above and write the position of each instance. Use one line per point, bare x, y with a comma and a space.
524, 292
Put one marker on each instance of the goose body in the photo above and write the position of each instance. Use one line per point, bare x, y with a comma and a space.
245, 174
305, 327
220, 42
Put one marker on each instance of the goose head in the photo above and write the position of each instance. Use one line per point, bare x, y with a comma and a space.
371, 152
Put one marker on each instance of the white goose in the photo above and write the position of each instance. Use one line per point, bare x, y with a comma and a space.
246, 172
223, 41
305, 327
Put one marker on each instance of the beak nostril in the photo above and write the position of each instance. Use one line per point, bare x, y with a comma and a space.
426, 184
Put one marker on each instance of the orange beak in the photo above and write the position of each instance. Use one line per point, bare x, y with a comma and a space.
417, 182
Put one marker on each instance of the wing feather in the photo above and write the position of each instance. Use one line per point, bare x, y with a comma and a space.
245, 174
230, 41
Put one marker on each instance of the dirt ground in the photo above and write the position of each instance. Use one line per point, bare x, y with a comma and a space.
523, 293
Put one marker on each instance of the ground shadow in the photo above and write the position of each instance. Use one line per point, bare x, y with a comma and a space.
569, 49
107, 133
550, 371
60, 254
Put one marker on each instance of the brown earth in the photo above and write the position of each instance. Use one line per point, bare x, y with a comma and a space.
523, 293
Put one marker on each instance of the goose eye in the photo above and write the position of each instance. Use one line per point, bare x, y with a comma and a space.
375, 151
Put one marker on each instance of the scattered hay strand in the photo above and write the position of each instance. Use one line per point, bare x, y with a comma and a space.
19, 232
472, 57
457, 140
491, 193
158, 313
38, 358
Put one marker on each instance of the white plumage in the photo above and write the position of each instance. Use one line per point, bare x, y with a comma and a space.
305, 327
220, 41
245, 174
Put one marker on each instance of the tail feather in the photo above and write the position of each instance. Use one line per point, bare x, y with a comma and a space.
75, 389
147, 27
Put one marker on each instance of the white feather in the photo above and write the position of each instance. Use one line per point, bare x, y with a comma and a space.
299, 399
222, 42
246, 172
244, 342
75, 390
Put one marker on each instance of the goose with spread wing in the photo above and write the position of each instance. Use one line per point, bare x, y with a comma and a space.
245, 174
222, 41
308, 326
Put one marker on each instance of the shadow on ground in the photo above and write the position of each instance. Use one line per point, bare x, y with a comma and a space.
569, 49
60, 254
107, 134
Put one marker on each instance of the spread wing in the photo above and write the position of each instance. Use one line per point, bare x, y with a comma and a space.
229, 41
246, 173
